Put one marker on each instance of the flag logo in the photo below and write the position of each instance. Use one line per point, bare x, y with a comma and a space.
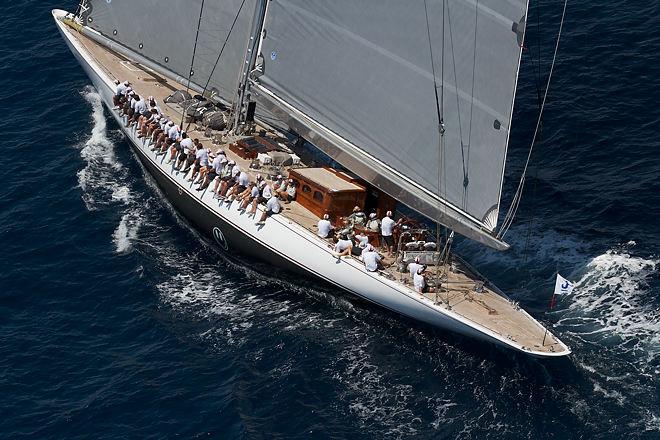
562, 287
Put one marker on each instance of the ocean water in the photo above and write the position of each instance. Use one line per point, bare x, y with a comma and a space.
118, 321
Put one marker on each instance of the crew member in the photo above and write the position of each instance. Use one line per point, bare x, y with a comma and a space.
371, 258
272, 207
386, 231
325, 227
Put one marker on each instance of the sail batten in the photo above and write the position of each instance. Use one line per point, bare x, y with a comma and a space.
362, 70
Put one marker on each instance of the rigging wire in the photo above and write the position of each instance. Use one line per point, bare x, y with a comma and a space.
515, 203
217, 60
224, 44
439, 106
192, 61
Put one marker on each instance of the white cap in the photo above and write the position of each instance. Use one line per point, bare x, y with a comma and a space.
368, 247
231, 162
326, 216
131, 93
117, 81
372, 215
126, 83
170, 123
279, 176
417, 260
389, 213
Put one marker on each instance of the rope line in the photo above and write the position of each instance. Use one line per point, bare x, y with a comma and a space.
515, 203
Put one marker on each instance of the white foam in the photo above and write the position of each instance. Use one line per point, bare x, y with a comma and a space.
126, 232
612, 299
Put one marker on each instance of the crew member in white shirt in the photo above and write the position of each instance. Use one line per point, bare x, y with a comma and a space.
361, 243
414, 267
371, 258
120, 89
344, 246
272, 207
201, 160
419, 281
265, 194
325, 227
251, 196
242, 182
386, 231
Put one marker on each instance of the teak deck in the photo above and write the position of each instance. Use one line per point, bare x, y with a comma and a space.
486, 308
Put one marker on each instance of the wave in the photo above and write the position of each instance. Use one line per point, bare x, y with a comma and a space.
612, 299
103, 180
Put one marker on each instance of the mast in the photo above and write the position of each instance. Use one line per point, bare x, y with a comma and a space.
250, 58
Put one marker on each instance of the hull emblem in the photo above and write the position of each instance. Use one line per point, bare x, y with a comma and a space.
220, 238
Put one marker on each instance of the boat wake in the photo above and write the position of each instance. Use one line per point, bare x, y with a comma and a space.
104, 181
613, 317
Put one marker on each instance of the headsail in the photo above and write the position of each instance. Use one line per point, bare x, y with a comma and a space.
164, 32
357, 76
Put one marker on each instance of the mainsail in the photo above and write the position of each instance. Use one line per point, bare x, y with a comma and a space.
356, 77
164, 31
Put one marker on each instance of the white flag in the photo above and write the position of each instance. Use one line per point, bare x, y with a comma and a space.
563, 286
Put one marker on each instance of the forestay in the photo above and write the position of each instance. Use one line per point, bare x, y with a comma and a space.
164, 31
358, 75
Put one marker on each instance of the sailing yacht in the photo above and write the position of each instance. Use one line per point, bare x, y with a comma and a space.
413, 101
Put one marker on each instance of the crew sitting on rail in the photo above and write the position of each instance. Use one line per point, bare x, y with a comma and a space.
242, 182
214, 169
185, 146
226, 184
126, 109
247, 196
146, 123
272, 207
143, 118
371, 259
414, 267
120, 92
325, 227
138, 107
225, 174
191, 157
265, 194
156, 129
373, 224
201, 161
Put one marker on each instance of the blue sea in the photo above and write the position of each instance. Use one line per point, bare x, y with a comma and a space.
118, 321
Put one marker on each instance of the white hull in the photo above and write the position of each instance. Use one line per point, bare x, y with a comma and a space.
292, 243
